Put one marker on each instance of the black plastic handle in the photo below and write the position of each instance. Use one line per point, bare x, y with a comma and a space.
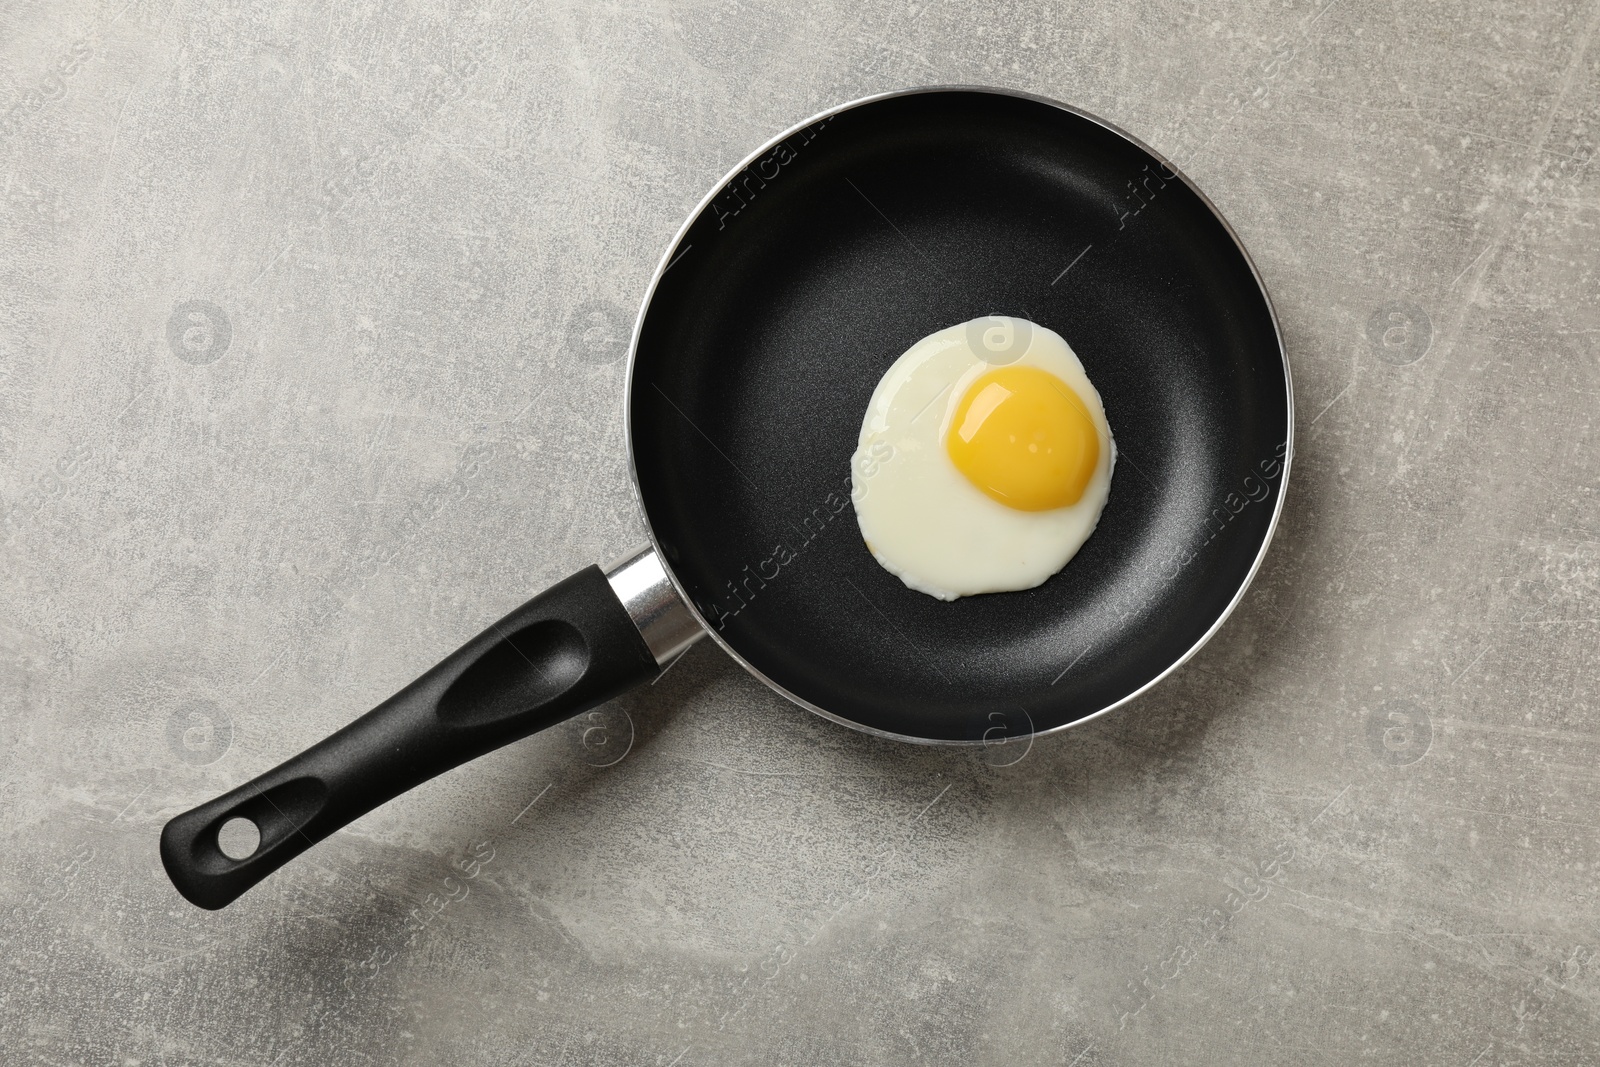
566, 650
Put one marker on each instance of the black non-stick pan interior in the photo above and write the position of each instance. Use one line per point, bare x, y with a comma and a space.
813, 270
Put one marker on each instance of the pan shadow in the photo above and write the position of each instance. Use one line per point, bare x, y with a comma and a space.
1149, 756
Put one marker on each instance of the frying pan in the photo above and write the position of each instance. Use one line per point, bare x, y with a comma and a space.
769, 322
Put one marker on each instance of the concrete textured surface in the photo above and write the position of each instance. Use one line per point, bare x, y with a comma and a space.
311, 325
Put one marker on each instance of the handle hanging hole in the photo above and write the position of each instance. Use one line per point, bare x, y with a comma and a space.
239, 838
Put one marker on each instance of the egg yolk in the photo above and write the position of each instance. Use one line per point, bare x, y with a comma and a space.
1025, 438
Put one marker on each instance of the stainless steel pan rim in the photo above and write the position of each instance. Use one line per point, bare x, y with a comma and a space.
669, 257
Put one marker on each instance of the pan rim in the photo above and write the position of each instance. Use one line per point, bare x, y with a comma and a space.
668, 258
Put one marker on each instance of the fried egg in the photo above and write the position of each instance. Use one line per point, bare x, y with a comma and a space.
984, 460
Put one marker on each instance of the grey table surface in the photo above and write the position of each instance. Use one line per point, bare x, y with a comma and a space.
310, 332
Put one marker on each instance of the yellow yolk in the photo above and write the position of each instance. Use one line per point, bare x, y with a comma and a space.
1025, 438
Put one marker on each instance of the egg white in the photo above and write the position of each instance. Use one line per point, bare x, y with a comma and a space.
920, 516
